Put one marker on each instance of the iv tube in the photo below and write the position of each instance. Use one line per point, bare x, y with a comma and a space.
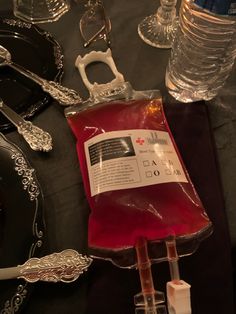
173, 258
178, 291
148, 301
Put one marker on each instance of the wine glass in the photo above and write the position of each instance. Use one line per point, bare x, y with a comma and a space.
158, 29
40, 11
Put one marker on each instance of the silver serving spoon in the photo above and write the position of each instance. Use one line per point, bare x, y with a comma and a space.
63, 95
65, 266
37, 139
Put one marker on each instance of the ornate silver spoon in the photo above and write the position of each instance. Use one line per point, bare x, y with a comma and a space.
37, 139
63, 95
65, 266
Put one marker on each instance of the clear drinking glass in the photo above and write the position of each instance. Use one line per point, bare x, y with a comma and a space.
158, 29
40, 11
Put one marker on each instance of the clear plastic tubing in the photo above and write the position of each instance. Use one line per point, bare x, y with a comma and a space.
203, 50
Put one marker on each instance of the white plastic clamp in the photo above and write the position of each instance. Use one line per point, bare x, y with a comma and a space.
178, 297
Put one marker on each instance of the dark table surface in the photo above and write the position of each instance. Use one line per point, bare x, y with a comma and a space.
205, 134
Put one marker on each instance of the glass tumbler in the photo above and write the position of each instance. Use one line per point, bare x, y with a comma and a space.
40, 11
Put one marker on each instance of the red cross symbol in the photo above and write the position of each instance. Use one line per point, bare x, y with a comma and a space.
140, 141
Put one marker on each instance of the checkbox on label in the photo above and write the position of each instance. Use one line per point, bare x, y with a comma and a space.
146, 163
148, 174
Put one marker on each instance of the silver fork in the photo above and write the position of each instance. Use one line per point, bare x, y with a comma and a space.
63, 95
37, 139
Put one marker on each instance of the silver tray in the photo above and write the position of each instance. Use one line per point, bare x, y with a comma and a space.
36, 50
21, 221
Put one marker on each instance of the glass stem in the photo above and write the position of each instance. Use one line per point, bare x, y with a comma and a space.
166, 13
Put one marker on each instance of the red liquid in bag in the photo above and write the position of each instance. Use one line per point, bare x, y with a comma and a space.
120, 216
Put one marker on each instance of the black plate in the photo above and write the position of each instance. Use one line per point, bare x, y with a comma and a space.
36, 50
21, 221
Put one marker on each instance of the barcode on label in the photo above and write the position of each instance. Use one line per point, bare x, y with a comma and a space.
155, 139
160, 141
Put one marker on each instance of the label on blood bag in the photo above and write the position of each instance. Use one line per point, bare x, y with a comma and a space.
131, 158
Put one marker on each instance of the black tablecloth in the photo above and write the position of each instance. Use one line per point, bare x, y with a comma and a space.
106, 288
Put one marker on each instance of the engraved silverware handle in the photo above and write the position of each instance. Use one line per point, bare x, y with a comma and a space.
65, 266
37, 139
65, 96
